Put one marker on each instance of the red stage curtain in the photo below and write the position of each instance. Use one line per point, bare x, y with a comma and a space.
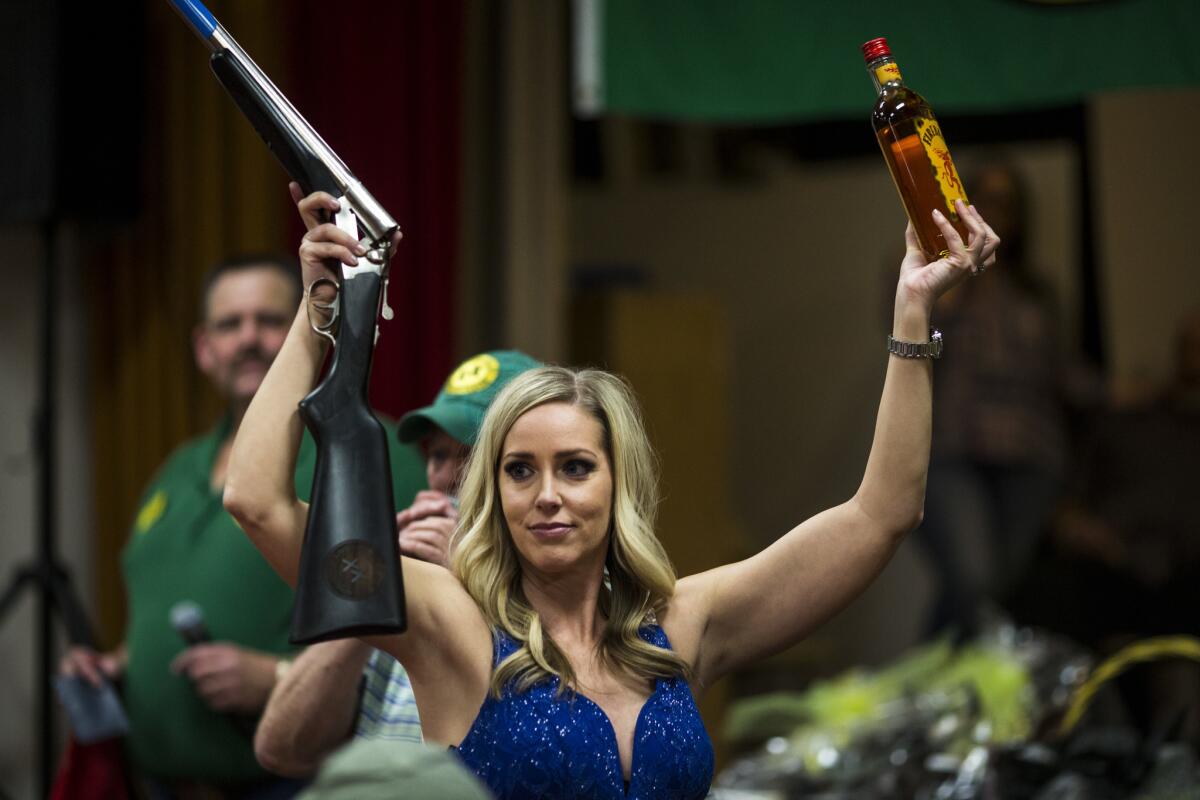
382, 84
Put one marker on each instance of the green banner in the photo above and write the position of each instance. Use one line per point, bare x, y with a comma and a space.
788, 61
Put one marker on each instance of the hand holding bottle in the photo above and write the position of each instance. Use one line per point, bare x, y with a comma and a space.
922, 280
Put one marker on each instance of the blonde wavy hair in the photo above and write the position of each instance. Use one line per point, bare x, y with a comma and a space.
640, 579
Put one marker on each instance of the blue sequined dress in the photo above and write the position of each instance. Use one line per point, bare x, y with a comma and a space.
538, 744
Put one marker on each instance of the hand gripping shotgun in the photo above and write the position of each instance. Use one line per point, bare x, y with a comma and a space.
350, 582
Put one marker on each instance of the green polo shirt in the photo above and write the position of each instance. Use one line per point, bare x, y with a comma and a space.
185, 547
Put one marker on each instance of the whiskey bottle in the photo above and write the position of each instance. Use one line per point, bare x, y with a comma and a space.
915, 151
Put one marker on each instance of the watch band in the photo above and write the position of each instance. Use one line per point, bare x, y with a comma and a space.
930, 349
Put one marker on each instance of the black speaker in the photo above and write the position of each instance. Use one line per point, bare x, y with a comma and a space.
71, 123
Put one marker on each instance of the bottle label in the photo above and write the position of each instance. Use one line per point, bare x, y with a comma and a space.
944, 172
887, 72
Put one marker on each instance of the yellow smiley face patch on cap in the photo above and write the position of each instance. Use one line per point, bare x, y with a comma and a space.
473, 375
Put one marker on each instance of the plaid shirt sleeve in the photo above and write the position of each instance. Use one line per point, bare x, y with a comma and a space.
387, 708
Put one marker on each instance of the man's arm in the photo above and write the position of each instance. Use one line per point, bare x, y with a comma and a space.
313, 708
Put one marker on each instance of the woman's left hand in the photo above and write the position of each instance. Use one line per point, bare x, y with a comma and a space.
923, 281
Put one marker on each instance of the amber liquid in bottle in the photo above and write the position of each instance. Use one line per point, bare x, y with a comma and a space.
915, 152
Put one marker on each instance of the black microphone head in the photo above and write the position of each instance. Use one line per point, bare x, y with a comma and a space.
188, 621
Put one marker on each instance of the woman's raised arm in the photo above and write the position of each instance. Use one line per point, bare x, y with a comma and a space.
259, 487
742, 612
447, 649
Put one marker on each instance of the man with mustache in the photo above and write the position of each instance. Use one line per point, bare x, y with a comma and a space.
192, 709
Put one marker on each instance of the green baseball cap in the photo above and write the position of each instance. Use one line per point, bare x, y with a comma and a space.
460, 405
379, 769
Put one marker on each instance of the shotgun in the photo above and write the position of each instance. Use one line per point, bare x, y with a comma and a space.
350, 582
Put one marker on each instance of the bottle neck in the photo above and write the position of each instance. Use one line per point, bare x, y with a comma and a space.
884, 73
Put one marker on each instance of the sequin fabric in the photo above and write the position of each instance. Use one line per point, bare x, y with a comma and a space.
536, 744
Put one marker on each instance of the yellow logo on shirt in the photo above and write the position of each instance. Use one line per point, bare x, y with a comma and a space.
473, 375
151, 512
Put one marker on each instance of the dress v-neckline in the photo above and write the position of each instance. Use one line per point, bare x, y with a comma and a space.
612, 731
544, 742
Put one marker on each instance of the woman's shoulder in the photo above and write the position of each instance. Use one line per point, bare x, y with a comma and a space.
683, 618
436, 577
444, 621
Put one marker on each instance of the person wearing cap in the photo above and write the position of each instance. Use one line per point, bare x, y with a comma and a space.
346, 689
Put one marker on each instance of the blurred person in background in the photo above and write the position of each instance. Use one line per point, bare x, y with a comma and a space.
1126, 562
347, 689
1000, 431
192, 709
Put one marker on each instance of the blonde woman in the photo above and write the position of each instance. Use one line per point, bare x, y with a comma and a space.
559, 655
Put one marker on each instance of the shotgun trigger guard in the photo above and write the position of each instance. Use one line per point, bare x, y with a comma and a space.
331, 310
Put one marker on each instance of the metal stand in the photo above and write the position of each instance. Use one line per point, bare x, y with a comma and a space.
46, 573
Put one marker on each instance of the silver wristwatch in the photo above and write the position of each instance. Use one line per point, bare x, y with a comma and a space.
930, 349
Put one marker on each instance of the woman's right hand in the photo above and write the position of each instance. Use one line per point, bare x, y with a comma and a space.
325, 246
92, 666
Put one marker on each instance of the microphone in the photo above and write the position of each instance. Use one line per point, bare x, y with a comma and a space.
188, 621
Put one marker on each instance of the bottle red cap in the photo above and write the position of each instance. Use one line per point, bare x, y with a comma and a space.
876, 48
